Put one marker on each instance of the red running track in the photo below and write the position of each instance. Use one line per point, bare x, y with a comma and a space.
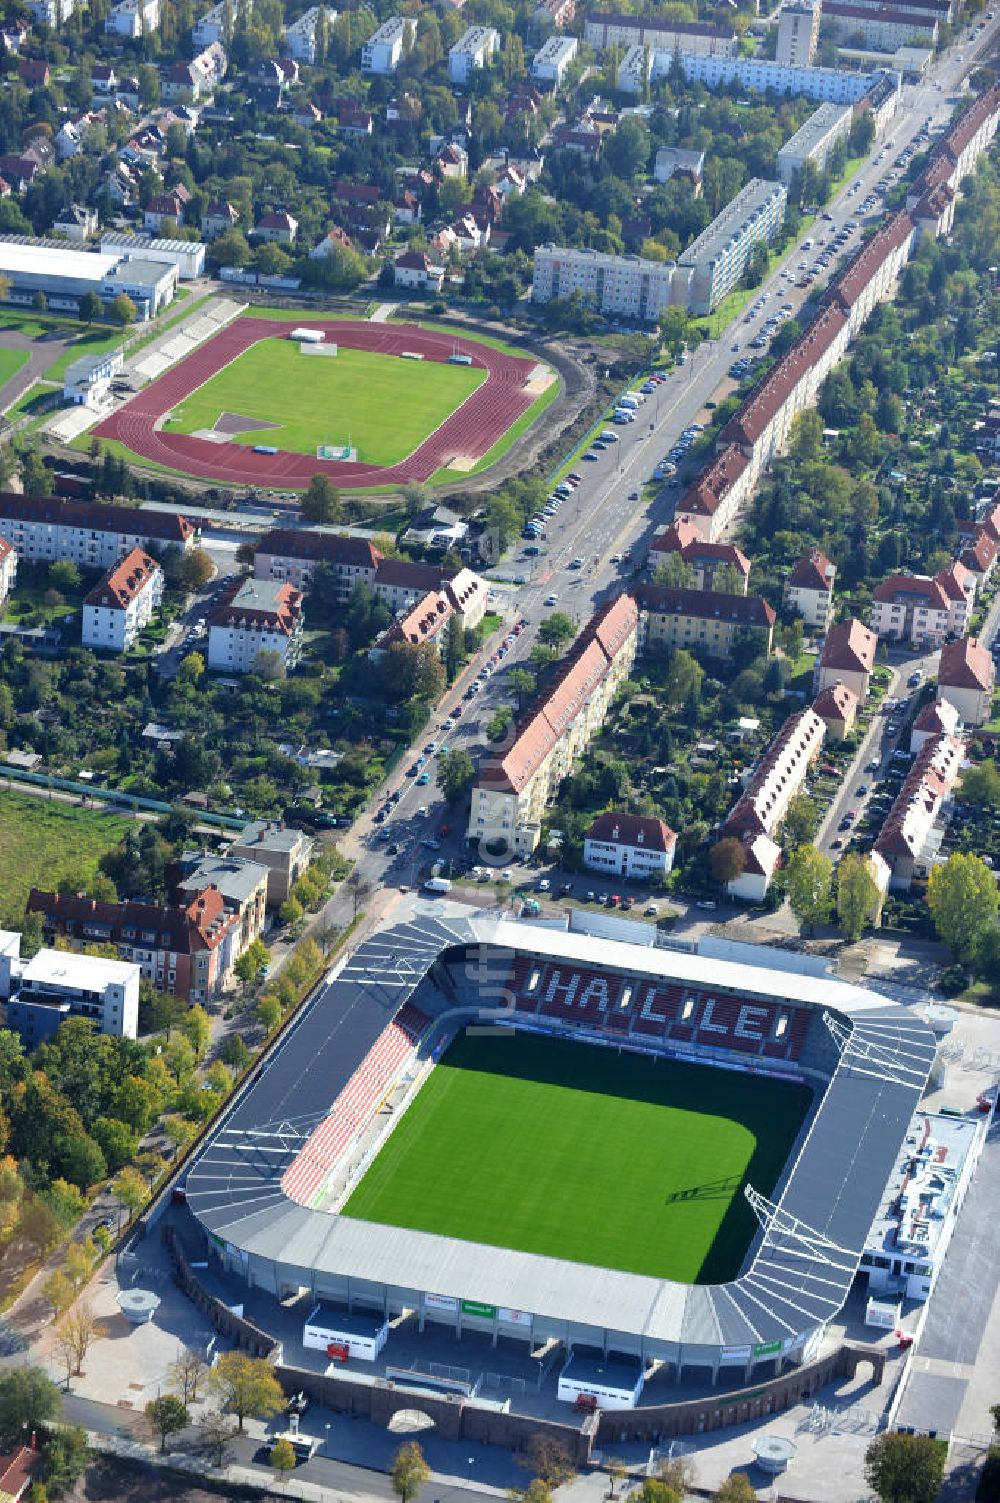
470, 431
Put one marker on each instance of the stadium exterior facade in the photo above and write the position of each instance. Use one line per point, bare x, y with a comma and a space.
256, 1184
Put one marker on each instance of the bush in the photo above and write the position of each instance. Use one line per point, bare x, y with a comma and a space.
952, 980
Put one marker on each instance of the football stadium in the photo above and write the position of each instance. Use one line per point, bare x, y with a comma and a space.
621, 1158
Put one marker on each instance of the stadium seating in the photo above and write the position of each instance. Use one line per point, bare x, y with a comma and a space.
355, 1106
664, 1011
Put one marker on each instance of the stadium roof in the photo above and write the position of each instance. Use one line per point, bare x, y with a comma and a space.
798, 1275
28, 256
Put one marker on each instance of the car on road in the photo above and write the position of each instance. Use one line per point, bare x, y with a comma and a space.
576, 563
544, 884
423, 780
590, 456
551, 599
838, 844
707, 904
411, 772
914, 678
633, 495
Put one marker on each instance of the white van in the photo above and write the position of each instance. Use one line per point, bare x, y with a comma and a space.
437, 884
629, 401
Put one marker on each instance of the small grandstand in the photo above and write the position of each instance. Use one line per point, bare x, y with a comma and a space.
270, 1183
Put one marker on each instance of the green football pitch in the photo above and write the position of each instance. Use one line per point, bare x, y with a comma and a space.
582, 1153
382, 405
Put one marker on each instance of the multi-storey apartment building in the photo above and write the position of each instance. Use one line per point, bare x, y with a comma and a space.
607, 29
291, 556
896, 857
8, 569
186, 950
54, 984
133, 18
117, 609
798, 34
285, 853
885, 28
764, 801
252, 617
966, 679
383, 51
814, 141
629, 845
703, 619
706, 559
300, 35
549, 64
917, 609
848, 657
475, 49
514, 786
89, 533
718, 258
626, 285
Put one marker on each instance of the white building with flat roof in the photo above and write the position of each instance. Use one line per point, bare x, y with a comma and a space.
476, 48
300, 35
814, 141
188, 256
65, 273
608, 29
87, 382
837, 84
211, 27
56, 984
383, 51
718, 258
549, 64
51, 12
133, 18
798, 33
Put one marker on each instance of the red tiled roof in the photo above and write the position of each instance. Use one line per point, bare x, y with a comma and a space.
767, 399
926, 784
813, 571
980, 554
907, 589
616, 828
705, 494
965, 664
954, 581
848, 286
849, 646
95, 516
964, 129
795, 743
937, 716
836, 703
122, 584
16, 1468
201, 924
283, 616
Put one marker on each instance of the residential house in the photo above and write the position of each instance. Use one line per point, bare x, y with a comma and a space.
848, 657
284, 853
291, 556
169, 205
334, 239
517, 781
103, 78
406, 208
354, 120
979, 556
219, 217
17, 1466
706, 559
452, 161
559, 12
966, 679
34, 72
917, 609
255, 617
416, 270
837, 707
306, 114
187, 950
189, 82
702, 620
242, 883
117, 609
629, 845
809, 588
77, 223
681, 162
90, 533
277, 227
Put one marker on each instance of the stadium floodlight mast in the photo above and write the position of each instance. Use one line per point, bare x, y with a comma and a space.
859, 1051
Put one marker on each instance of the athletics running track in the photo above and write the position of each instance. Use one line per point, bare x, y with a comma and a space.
468, 433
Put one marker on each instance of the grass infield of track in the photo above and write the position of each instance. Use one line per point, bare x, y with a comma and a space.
577, 1152
383, 405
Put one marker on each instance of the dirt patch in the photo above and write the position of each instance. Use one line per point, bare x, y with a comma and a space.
109, 1480
232, 423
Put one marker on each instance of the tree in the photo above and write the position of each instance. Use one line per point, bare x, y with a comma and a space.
64, 574
409, 1471
684, 678
216, 1434
291, 910
187, 1372
63, 1458
857, 895
167, 1415
197, 1029
131, 1189
675, 573
59, 1291
321, 501
73, 1338
269, 1012
655, 1490
253, 960
981, 785
90, 307
80, 1260
799, 824
549, 1459
116, 1141
556, 630
246, 1385
809, 877
360, 888
196, 569
963, 899
905, 1468
455, 775
40, 302
282, 1457
727, 859
736, 1489
522, 683
29, 1400
123, 311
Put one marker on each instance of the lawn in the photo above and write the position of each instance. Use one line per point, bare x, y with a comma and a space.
44, 842
383, 405
578, 1152
11, 362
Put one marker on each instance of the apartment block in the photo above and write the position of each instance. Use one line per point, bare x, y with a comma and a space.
549, 64
814, 141
291, 556
760, 808
255, 617
798, 34
133, 18
899, 852
89, 533
837, 707
625, 285
706, 559
53, 985
848, 657
242, 883
836, 84
917, 609
284, 853
475, 49
8, 569
513, 788
718, 258
937, 718
702, 619
300, 35
117, 609
885, 28
966, 679
383, 51
186, 950
607, 29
